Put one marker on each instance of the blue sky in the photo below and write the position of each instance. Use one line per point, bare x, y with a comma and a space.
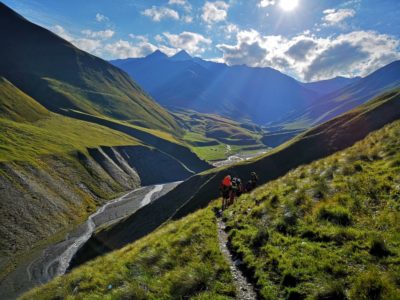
314, 40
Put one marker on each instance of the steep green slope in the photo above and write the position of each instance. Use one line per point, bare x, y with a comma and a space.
60, 76
17, 106
328, 230
179, 261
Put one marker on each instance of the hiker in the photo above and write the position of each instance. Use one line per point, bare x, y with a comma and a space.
234, 190
249, 186
226, 188
254, 180
240, 189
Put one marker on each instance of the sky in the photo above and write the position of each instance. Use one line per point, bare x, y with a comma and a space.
308, 39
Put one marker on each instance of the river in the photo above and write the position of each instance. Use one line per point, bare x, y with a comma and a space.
54, 260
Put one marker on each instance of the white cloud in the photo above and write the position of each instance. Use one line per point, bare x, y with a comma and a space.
187, 19
214, 12
60, 31
308, 57
159, 13
185, 4
103, 34
266, 3
125, 49
88, 45
192, 42
336, 16
101, 18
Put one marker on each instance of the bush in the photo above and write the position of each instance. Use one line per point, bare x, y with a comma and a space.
379, 248
260, 239
335, 214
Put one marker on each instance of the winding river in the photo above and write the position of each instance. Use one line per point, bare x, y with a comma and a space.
55, 259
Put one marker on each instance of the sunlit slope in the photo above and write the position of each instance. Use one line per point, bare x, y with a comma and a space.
179, 261
17, 106
30, 130
60, 76
328, 230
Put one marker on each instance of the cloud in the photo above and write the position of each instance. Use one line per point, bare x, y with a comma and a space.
354, 54
336, 16
185, 4
159, 13
192, 42
308, 57
248, 50
103, 34
187, 19
300, 49
266, 3
88, 45
127, 49
60, 31
214, 12
101, 18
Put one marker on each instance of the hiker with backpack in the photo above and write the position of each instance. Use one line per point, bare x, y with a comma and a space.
226, 191
254, 179
234, 190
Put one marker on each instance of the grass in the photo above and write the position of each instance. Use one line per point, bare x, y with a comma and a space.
54, 135
17, 106
181, 260
328, 230
30, 130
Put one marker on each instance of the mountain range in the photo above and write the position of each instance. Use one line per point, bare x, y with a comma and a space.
261, 95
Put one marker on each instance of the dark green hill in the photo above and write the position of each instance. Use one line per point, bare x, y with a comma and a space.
15, 105
60, 76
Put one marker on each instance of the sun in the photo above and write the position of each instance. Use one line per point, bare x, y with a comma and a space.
288, 5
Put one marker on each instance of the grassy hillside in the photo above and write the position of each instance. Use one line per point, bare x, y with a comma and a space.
209, 135
29, 130
54, 135
179, 261
60, 76
328, 230
17, 106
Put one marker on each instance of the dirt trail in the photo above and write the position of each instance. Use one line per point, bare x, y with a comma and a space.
244, 289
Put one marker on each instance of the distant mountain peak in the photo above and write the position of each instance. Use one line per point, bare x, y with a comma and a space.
181, 55
157, 54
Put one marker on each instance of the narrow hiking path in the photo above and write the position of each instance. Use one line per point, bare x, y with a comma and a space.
244, 289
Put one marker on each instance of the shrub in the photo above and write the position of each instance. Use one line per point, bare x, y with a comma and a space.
261, 238
379, 248
335, 214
